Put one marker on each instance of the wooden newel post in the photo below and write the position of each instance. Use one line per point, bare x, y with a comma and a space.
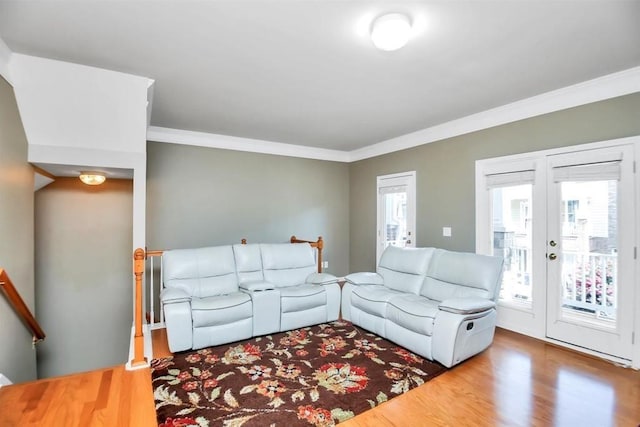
320, 247
138, 338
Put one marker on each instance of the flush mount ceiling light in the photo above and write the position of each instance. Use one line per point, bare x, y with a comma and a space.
92, 178
391, 31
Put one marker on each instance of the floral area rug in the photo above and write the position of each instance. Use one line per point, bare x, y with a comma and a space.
318, 376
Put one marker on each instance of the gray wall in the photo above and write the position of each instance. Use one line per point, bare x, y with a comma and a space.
445, 171
83, 274
204, 196
17, 358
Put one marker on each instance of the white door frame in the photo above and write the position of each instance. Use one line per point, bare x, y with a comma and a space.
615, 339
533, 322
407, 179
525, 320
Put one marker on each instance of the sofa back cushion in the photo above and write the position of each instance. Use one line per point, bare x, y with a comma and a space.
404, 269
287, 264
462, 275
248, 263
201, 272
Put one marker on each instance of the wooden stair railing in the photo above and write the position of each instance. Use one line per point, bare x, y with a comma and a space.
139, 256
18, 304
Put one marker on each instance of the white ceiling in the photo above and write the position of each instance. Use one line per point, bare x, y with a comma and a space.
304, 72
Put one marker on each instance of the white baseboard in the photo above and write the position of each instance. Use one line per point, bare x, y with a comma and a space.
148, 349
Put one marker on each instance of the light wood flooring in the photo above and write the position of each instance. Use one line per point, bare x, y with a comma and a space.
105, 397
518, 381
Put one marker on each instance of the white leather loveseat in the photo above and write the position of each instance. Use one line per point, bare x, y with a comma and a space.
436, 303
221, 294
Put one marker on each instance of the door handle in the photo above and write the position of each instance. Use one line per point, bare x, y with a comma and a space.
552, 256
552, 243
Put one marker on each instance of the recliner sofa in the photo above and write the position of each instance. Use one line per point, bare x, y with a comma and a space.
221, 294
437, 303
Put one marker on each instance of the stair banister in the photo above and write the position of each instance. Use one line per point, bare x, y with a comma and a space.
138, 337
18, 304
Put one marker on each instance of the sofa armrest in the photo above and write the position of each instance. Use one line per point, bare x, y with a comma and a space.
457, 337
172, 296
364, 279
176, 304
257, 286
466, 305
321, 279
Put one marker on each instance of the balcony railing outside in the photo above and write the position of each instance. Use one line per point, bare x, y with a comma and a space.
590, 283
588, 280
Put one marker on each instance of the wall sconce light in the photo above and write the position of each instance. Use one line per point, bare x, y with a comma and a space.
391, 31
92, 178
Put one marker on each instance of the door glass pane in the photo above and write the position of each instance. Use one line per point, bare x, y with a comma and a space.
395, 219
512, 240
589, 250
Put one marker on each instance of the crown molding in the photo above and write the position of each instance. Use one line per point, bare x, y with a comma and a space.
599, 89
202, 139
605, 87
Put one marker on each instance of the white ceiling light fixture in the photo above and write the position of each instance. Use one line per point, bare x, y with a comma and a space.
92, 178
391, 31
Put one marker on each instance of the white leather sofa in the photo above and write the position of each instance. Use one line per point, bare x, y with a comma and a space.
221, 294
436, 303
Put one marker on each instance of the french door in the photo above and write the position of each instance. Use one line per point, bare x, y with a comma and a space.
590, 249
564, 222
396, 222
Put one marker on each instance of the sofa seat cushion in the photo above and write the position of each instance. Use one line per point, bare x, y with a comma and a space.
302, 297
372, 299
221, 310
412, 312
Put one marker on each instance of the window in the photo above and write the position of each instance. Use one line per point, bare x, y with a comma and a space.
396, 211
511, 233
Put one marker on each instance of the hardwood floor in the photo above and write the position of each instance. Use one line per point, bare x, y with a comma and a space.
106, 397
518, 381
